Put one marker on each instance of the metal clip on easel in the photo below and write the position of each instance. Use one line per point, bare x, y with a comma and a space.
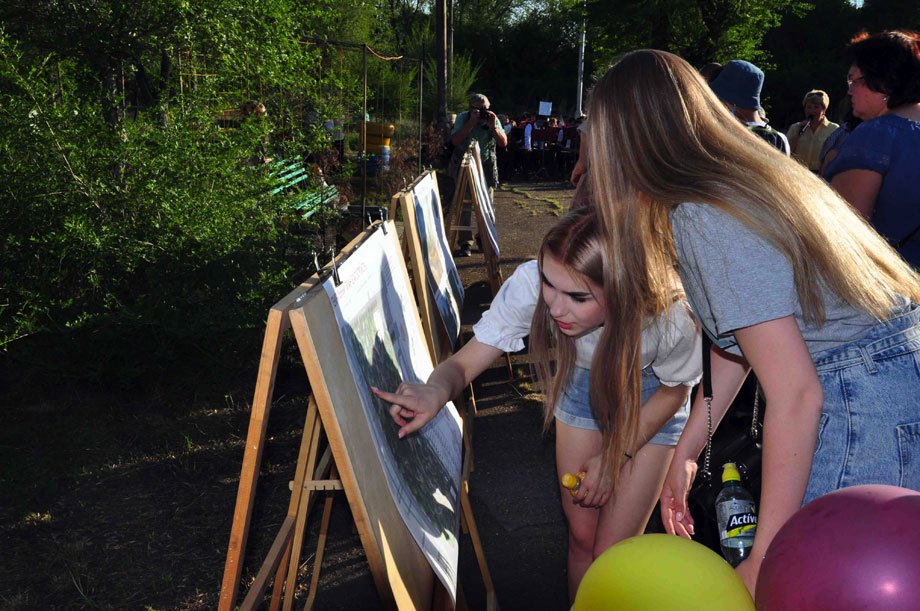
335, 270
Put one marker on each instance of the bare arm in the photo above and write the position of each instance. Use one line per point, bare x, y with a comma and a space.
860, 188
459, 137
657, 411
728, 373
501, 138
780, 358
413, 405
828, 159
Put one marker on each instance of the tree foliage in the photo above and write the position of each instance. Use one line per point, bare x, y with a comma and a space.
700, 31
135, 219
131, 211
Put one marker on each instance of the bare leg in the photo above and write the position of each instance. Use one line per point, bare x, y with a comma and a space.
574, 447
592, 531
627, 512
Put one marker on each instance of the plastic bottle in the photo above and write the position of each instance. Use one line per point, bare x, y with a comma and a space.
573, 482
736, 515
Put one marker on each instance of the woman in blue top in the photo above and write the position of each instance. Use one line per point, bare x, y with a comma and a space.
878, 168
780, 272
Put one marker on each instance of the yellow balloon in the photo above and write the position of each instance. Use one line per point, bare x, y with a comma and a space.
661, 573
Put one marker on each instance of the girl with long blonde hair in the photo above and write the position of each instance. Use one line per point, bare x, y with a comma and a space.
782, 275
558, 301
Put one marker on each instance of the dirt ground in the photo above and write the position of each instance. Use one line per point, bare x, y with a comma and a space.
124, 501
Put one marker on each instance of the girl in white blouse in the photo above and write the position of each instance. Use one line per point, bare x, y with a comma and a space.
559, 302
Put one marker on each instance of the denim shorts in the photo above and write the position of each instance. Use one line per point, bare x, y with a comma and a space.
574, 406
869, 431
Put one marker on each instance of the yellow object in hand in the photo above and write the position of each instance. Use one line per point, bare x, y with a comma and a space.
573, 482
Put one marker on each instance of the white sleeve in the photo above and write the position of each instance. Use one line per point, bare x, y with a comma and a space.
679, 359
507, 321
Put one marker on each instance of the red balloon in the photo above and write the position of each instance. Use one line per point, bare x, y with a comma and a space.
854, 548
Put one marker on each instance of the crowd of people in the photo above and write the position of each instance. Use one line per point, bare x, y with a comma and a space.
796, 254
527, 147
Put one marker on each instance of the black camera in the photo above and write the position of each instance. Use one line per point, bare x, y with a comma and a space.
483, 114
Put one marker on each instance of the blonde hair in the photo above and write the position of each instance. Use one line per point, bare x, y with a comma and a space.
818, 96
659, 137
576, 242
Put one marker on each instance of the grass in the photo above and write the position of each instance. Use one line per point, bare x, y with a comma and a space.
556, 207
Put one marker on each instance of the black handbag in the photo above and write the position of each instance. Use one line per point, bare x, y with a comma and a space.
738, 440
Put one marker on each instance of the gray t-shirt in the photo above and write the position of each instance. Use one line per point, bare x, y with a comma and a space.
735, 278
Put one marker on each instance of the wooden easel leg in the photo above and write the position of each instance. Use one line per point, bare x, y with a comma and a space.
441, 601
278, 323
466, 417
466, 515
453, 219
473, 400
301, 499
278, 588
321, 545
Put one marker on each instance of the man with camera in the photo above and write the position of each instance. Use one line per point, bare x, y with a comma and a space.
480, 124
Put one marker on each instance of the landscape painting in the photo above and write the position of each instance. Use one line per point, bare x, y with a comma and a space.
440, 269
384, 345
481, 189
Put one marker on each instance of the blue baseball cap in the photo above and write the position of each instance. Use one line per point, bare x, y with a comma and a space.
739, 83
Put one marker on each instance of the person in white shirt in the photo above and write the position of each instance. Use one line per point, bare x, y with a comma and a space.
623, 454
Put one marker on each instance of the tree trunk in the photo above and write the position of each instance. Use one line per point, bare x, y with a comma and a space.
108, 78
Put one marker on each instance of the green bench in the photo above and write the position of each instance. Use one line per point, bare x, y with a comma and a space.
295, 177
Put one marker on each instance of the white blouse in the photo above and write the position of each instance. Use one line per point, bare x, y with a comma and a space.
671, 343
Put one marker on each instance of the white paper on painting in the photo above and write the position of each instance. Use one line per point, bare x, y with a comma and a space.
482, 193
482, 186
384, 348
443, 277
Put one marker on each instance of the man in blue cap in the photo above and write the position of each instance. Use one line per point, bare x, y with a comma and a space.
738, 86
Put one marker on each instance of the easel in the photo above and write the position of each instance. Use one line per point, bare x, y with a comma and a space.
472, 191
417, 248
401, 573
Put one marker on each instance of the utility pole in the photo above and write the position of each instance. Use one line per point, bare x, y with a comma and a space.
450, 48
581, 61
440, 38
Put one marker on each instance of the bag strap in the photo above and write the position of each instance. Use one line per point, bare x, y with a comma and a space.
705, 473
706, 388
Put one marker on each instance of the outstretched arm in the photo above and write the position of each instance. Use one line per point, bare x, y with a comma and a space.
413, 405
728, 373
780, 358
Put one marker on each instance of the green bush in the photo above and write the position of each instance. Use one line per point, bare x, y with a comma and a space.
127, 247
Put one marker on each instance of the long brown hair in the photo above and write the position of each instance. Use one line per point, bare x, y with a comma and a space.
658, 138
577, 242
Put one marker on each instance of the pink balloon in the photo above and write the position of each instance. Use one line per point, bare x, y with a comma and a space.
855, 548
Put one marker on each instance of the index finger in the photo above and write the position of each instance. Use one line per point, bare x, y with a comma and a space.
391, 397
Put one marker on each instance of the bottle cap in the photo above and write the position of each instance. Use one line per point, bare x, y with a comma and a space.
730, 473
569, 481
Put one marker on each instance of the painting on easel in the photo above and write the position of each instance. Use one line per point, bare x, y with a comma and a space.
481, 189
422, 470
443, 277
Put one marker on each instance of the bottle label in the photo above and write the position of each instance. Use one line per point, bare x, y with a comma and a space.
736, 517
